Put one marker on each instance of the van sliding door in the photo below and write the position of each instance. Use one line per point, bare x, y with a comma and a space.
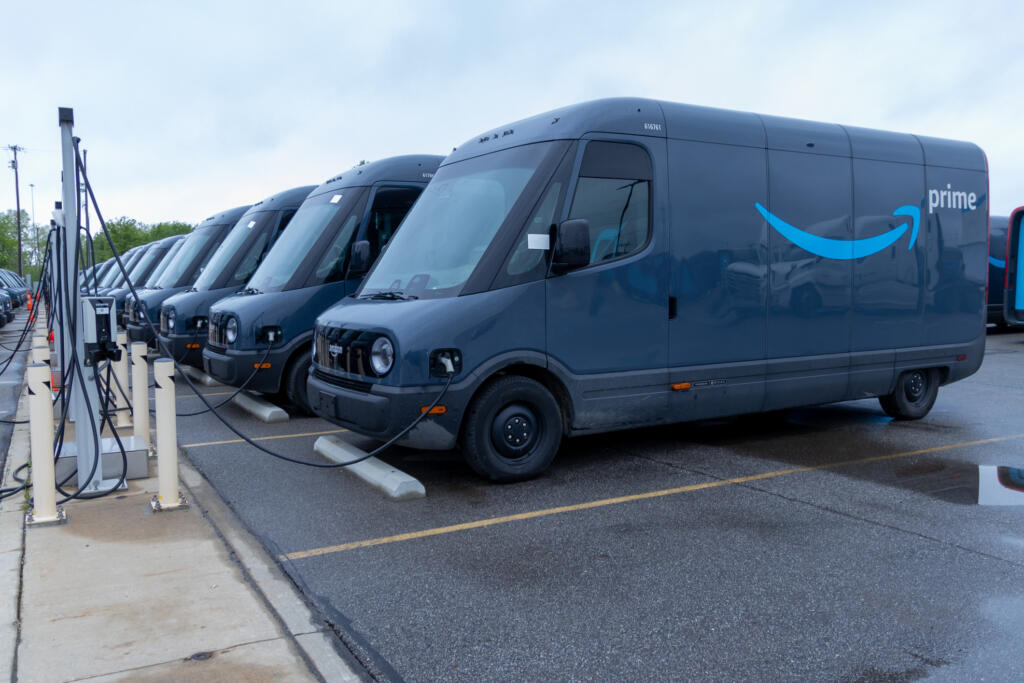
719, 278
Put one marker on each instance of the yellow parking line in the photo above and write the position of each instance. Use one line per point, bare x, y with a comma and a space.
191, 394
262, 438
623, 499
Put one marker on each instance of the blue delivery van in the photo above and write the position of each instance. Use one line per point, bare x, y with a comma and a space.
154, 277
1013, 295
151, 261
321, 257
184, 317
629, 262
181, 272
996, 268
97, 274
115, 275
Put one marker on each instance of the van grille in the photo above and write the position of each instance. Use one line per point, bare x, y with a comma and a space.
216, 334
344, 350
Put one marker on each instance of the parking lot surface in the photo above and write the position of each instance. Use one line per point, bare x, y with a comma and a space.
826, 543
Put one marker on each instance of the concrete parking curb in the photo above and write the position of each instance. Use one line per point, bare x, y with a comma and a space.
393, 482
263, 411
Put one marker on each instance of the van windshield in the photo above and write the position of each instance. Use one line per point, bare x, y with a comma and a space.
315, 226
116, 277
453, 222
196, 249
250, 233
141, 268
162, 266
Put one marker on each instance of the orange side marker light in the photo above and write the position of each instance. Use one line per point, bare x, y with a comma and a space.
436, 410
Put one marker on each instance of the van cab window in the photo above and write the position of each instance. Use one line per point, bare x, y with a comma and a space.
613, 195
390, 205
332, 264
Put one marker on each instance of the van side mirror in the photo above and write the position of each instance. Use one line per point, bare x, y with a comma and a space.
572, 246
359, 260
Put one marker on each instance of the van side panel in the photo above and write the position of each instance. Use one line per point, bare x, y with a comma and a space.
719, 250
888, 299
810, 295
957, 259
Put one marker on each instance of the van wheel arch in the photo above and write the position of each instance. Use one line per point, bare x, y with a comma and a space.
539, 374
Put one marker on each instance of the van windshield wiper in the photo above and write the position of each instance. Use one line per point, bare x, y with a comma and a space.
390, 295
251, 290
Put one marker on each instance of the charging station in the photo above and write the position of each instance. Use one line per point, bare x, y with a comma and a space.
84, 347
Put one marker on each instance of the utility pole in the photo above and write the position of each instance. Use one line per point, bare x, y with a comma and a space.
35, 230
85, 195
17, 199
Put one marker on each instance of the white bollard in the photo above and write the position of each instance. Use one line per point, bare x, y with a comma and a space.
140, 393
41, 353
120, 388
169, 496
44, 509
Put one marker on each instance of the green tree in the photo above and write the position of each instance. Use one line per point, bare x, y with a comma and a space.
168, 228
125, 233
9, 238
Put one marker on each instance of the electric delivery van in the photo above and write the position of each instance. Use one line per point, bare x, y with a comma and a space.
115, 276
188, 264
1013, 295
140, 274
630, 262
321, 257
996, 268
184, 316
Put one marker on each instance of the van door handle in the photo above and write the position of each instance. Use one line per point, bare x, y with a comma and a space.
671, 308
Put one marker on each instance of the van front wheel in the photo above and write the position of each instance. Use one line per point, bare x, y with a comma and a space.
294, 383
914, 395
513, 430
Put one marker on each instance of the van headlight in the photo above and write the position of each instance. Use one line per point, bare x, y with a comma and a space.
231, 331
170, 317
382, 355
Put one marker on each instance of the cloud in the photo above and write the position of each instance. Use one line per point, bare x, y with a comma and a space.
190, 108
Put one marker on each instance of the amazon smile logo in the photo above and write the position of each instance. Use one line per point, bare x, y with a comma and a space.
846, 249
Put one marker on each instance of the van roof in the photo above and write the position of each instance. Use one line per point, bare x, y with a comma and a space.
288, 199
409, 168
229, 216
658, 119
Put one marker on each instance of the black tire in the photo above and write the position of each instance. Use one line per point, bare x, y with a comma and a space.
914, 395
294, 382
528, 418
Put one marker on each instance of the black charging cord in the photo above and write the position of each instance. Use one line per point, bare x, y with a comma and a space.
92, 196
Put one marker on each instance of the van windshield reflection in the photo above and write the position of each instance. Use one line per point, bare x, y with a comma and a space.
450, 227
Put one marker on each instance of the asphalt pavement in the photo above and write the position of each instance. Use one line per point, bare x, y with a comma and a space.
826, 543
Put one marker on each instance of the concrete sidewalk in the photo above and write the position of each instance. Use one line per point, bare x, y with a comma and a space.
122, 593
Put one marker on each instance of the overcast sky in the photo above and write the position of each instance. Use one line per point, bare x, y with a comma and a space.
188, 110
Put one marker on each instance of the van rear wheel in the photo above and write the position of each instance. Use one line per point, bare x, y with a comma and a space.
513, 430
914, 396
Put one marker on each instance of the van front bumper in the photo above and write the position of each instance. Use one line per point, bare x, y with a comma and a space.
382, 411
185, 348
233, 367
140, 333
